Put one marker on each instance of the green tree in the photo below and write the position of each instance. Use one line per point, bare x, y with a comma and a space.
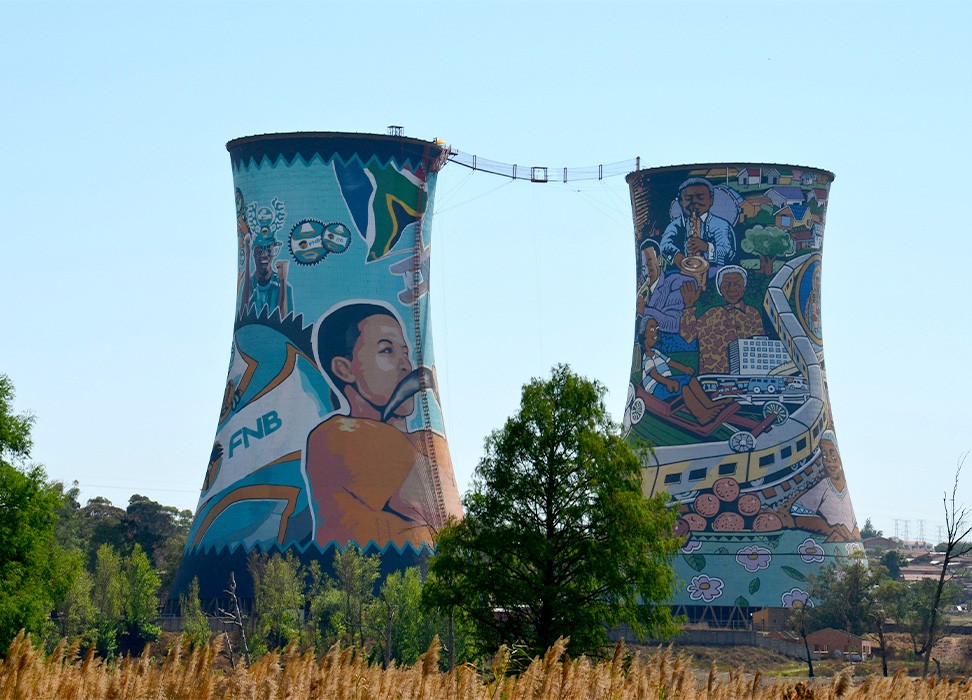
888, 604
140, 602
160, 530
869, 530
107, 598
924, 621
102, 523
196, 631
558, 539
324, 609
841, 596
893, 561
278, 601
76, 612
403, 628
355, 575
767, 242
35, 572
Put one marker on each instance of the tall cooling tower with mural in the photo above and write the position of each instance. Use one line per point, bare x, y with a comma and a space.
728, 381
330, 430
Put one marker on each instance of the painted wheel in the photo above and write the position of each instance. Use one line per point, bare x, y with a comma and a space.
771, 389
742, 442
757, 390
637, 411
775, 408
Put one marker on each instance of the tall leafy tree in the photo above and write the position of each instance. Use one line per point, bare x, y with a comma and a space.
140, 589
35, 572
558, 539
355, 575
278, 601
404, 630
195, 624
160, 530
842, 597
108, 599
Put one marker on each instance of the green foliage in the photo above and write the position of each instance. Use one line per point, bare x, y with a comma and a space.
324, 606
403, 628
160, 530
356, 575
893, 561
140, 588
76, 611
917, 617
278, 601
107, 600
125, 600
195, 625
35, 572
558, 538
869, 530
15, 440
767, 241
842, 595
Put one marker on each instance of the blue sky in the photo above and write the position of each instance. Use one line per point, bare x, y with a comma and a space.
118, 233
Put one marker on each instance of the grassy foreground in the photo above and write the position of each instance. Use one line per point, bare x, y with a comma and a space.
28, 673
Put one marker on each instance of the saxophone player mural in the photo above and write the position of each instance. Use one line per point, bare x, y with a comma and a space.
330, 430
728, 381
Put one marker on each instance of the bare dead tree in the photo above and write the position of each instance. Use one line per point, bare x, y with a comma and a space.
234, 617
957, 530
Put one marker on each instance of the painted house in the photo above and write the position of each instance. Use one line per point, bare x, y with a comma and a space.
782, 196
818, 194
772, 177
804, 239
750, 176
794, 216
751, 206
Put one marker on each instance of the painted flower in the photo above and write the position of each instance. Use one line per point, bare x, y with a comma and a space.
795, 598
754, 558
690, 546
854, 549
705, 588
810, 551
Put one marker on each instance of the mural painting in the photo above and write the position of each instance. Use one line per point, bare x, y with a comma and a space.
330, 430
728, 379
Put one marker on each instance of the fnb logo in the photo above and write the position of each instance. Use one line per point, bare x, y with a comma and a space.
268, 423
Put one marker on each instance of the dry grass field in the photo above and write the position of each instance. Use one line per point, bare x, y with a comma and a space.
340, 675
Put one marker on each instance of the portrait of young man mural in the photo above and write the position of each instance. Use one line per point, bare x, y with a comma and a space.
330, 430
368, 473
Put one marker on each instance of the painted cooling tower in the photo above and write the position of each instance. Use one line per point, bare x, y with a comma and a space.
330, 430
728, 381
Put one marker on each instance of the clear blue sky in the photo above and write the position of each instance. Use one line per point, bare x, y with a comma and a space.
118, 231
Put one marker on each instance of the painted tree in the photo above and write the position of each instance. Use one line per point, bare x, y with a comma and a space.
558, 539
769, 243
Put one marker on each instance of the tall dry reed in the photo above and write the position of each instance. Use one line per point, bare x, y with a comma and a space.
343, 675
